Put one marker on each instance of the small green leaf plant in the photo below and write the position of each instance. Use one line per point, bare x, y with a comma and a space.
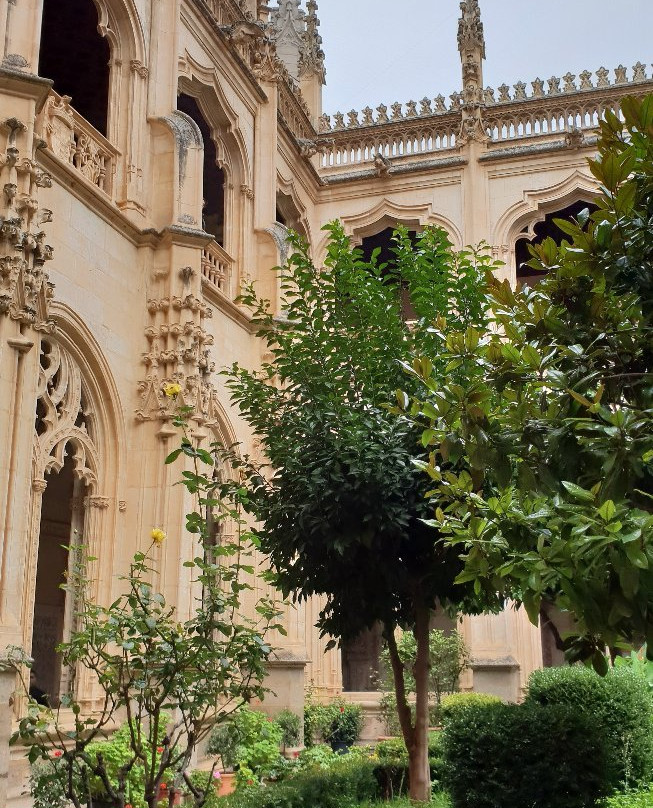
170, 680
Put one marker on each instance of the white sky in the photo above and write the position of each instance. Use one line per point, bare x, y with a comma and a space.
398, 50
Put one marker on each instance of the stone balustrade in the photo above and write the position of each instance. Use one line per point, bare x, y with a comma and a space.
569, 107
554, 87
217, 268
292, 109
378, 145
72, 140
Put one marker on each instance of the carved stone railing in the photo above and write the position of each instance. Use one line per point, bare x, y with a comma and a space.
228, 12
292, 109
569, 106
217, 268
73, 141
559, 106
377, 145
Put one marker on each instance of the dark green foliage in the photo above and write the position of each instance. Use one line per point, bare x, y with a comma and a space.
342, 786
224, 742
620, 707
555, 423
518, 756
454, 702
344, 493
289, 723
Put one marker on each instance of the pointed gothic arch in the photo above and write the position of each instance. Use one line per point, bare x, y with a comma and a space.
76, 463
520, 220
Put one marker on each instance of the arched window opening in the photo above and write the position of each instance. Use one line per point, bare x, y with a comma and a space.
288, 215
384, 242
76, 57
361, 661
60, 527
213, 210
544, 229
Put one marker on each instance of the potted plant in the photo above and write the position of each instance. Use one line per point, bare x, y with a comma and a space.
344, 725
224, 743
290, 728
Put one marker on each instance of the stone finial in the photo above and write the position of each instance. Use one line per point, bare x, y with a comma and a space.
470, 28
411, 109
488, 96
425, 106
439, 104
602, 75
368, 120
538, 88
504, 92
585, 80
382, 116
620, 75
554, 85
311, 59
639, 72
397, 111
352, 119
338, 121
520, 91
325, 123
287, 28
570, 83
456, 100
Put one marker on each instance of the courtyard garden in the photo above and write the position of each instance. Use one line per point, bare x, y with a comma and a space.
497, 448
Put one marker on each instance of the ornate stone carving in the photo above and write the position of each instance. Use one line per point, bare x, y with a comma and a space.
178, 353
620, 75
602, 76
24, 288
574, 138
639, 72
381, 165
65, 422
311, 57
585, 80
570, 83
470, 28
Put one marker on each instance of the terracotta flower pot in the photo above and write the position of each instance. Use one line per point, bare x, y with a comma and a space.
225, 784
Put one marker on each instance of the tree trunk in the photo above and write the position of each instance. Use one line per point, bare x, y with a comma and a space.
415, 737
418, 754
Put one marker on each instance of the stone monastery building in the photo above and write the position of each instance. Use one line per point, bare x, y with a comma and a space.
152, 156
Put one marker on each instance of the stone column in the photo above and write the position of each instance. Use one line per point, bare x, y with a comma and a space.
7, 688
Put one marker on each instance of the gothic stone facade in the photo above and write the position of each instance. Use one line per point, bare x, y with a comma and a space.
152, 156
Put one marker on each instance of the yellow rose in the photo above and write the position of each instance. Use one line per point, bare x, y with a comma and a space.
157, 535
172, 390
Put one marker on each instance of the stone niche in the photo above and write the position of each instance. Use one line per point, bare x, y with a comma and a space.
498, 676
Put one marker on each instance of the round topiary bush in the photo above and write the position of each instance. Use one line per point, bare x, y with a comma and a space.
619, 707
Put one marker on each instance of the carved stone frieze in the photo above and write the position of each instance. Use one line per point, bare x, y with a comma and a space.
65, 420
178, 353
25, 291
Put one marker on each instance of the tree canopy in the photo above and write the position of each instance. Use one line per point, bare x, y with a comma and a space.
555, 421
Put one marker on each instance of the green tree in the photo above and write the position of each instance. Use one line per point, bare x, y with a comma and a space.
556, 420
169, 680
341, 507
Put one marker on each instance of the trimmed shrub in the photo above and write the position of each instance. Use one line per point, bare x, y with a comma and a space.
454, 702
522, 756
343, 786
619, 707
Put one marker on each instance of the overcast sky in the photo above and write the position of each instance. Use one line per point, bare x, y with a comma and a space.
398, 50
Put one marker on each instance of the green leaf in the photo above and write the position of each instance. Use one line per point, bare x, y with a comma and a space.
607, 510
577, 492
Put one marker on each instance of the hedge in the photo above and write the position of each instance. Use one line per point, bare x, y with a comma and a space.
619, 708
522, 756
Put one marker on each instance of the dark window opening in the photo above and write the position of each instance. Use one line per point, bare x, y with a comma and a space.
545, 229
279, 217
52, 612
360, 661
76, 57
384, 242
213, 212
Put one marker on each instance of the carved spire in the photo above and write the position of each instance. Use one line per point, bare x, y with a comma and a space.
288, 28
470, 28
311, 59
471, 44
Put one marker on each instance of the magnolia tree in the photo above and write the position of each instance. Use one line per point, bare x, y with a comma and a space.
341, 507
553, 503
168, 680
